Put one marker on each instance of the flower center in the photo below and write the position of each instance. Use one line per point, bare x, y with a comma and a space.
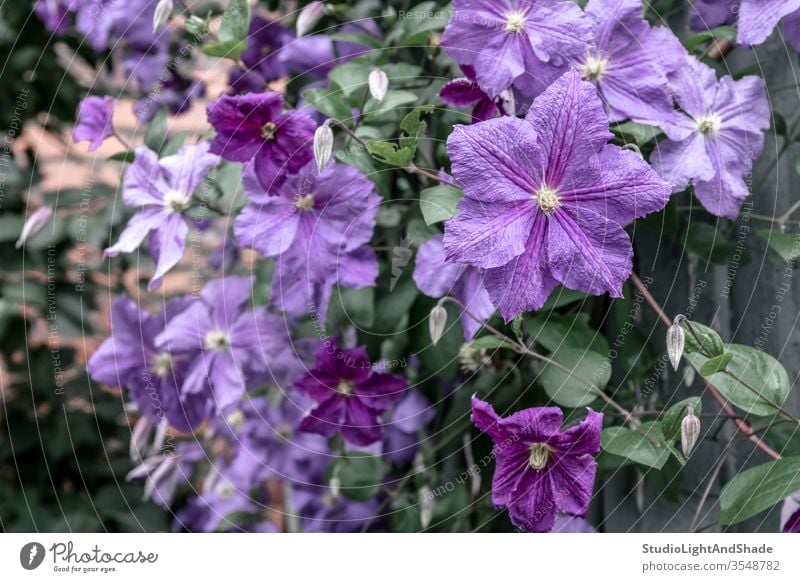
594, 67
284, 431
217, 340
547, 199
540, 454
176, 202
224, 490
268, 130
345, 387
709, 124
162, 365
304, 203
236, 419
515, 21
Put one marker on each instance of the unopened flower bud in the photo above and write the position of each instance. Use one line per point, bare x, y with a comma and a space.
323, 146
378, 84
35, 223
162, 13
437, 322
308, 18
690, 431
675, 340
425, 506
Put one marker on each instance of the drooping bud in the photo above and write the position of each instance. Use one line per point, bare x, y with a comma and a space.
308, 18
437, 321
323, 146
378, 84
34, 224
162, 13
690, 431
425, 506
676, 338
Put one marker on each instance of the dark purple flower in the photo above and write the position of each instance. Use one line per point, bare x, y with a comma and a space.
161, 191
546, 198
527, 43
54, 14
255, 128
225, 341
629, 61
176, 94
262, 56
436, 278
401, 434
350, 396
95, 121
152, 378
790, 514
466, 92
540, 468
715, 138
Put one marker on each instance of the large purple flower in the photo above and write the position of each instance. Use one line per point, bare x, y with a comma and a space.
94, 123
540, 468
130, 359
715, 138
318, 225
546, 198
629, 61
255, 128
265, 40
790, 514
758, 18
436, 278
224, 341
161, 191
465, 92
350, 396
527, 43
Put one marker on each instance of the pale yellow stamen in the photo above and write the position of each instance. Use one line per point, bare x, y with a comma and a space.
515, 21
217, 340
540, 454
547, 199
709, 124
176, 202
304, 203
162, 365
345, 387
594, 67
268, 130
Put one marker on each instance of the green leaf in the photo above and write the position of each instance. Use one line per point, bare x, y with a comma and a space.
388, 153
157, 131
721, 32
671, 419
353, 76
554, 332
360, 475
491, 342
786, 246
562, 296
757, 489
566, 389
412, 126
225, 49
439, 203
393, 101
702, 339
126, 156
636, 133
710, 245
174, 144
235, 21
763, 373
329, 102
716, 364
643, 446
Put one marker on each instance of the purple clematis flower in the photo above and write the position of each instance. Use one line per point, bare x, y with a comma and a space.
323, 510
265, 40
715, 137
708, 14
465, 92
255, 128
628, 61
161, 191
436, 278
349, 395
401, 437
54, 14
545, 199
758, 18
176, 93
539, 467
95, 123
224, 341
152, 378
318, 225
790, 514
527, 43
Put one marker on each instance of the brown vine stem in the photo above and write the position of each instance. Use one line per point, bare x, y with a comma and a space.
726, 407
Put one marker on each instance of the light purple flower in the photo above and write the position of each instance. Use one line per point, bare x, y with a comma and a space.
255, 128
758, 18
161, 191
152, 378
95, 123
54, 14
401, 434
527, 43
715, 138
546, 198
629, 61
708, 14
465, 92
224, 341
436, 278
540, 468
323, 510
349, 395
